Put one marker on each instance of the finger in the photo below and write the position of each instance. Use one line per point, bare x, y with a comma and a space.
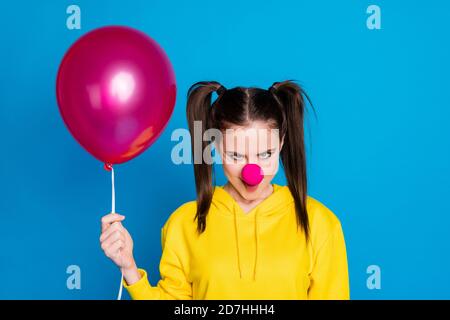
117, 235
111, 239
114, 249
110, 218
113, 227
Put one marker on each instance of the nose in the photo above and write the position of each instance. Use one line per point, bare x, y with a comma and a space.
252, 174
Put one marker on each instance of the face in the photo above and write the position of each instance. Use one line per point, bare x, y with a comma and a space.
257, 143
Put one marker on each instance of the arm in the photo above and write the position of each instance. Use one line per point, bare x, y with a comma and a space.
172, 285
329, 277
118, 246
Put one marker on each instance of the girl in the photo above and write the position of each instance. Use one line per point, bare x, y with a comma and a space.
243, 240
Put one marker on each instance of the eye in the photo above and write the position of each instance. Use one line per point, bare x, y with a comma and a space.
265, 155
235, 156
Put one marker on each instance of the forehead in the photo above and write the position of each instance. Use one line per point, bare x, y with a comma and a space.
258, 136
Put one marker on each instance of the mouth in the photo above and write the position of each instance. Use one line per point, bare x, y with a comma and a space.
249, 187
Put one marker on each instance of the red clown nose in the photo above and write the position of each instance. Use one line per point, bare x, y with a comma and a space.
252, 174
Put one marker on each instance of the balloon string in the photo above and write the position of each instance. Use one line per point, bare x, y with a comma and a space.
113, 209
113, 192
119, 297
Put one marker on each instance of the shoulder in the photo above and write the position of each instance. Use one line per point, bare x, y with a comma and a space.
181, 216
179, 226
320, 214
322, 221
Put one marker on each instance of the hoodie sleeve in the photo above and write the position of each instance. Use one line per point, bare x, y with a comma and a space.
173, 284
329, 277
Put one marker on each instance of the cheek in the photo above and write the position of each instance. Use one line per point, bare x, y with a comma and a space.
232, 170
270, 167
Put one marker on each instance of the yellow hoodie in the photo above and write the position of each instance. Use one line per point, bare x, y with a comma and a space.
254, 255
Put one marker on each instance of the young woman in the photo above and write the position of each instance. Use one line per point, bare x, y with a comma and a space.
243, 240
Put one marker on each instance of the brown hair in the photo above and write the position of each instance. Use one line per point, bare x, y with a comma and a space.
282, 104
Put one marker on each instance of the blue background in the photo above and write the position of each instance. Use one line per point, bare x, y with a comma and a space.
379, 153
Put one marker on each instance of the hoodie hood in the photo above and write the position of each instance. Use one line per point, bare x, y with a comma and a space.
274, 205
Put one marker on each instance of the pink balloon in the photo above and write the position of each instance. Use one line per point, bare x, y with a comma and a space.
116, 92
252, 174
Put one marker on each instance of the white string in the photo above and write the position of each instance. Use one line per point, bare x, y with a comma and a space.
113, 195
113, 209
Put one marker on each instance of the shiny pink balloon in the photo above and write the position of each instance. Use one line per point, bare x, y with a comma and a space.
116, 92
252, 174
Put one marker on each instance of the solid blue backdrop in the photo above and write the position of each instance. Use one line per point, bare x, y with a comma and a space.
378, 153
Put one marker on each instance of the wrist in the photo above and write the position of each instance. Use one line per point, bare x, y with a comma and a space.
131, 274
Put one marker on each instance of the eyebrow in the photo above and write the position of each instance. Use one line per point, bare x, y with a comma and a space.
268, 150
236, 153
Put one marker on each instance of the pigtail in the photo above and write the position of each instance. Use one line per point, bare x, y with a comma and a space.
293, 155
198, 114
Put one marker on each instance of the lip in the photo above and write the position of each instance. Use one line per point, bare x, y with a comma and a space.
249, 187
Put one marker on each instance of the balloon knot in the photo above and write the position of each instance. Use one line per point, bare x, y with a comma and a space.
107, 166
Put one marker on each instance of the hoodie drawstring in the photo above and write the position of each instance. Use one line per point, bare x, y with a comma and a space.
256, 248
237, 246
273, 206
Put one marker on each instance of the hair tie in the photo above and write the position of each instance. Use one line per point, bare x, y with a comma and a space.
272, 89
221, 90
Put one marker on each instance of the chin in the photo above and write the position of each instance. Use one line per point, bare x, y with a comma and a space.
250, 192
